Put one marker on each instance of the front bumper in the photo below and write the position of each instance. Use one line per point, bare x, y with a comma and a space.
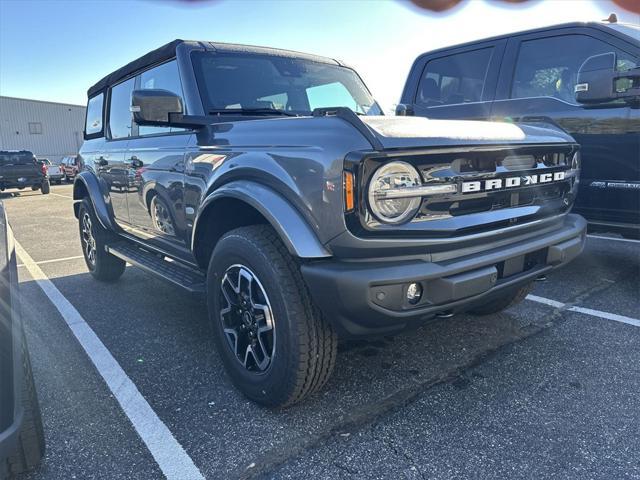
369, 297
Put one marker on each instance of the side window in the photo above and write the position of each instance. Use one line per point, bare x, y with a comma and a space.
331, 93
454, 79
93, 123
539, 74
119, 113
166, 77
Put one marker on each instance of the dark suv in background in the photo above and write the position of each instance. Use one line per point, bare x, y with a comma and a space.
532, 76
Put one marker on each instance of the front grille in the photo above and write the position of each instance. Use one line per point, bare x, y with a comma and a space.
505, 174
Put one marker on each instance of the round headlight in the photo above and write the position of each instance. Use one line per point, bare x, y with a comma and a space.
390, 177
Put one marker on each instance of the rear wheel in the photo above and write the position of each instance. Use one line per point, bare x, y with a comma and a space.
503, 302
276, 346
94, 239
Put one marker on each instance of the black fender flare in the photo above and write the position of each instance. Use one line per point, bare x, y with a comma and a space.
89, 183
291, 226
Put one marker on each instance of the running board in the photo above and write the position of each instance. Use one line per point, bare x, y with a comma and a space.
189, 279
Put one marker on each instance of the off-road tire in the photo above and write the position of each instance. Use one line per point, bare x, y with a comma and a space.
498, 304
46, 187
31, 445
306, 344
107, 268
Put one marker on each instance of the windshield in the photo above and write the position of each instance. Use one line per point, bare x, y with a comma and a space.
236, 82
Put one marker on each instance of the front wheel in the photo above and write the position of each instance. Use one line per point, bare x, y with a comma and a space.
275, 345
93, 239
503, 302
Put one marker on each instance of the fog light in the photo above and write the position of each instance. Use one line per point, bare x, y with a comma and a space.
414, 293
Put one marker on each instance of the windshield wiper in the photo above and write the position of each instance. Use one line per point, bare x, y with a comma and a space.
251, 111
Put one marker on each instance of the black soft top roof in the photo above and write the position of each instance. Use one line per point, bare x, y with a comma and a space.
168, 51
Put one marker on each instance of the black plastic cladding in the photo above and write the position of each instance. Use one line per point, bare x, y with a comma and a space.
364, 164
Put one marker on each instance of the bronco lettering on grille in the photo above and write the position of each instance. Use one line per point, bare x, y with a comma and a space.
511, 182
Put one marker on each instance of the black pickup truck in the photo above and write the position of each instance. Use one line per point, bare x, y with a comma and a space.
269, 181
21, 169
581, 77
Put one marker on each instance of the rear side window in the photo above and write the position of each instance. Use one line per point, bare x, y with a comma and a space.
541, 74
93, 122
119, 109
455, 79
166, 77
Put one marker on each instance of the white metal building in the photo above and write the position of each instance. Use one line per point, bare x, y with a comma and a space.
49, 130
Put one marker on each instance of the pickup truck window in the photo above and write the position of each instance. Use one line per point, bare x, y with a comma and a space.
454, 79
166, 77
119, 113
93, 123
249, 81
538, 74
17, 158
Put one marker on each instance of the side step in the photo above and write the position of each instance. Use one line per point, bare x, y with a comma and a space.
190, 279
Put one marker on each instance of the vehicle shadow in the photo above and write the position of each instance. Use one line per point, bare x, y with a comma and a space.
161, 338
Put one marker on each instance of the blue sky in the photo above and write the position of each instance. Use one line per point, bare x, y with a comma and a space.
54, 50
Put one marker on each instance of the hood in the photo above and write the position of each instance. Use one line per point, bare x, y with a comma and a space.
414, 132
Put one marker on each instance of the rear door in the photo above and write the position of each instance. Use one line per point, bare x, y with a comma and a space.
537, 83
457, 83
110, 166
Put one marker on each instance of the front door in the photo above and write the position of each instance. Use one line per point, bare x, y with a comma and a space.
155, 172
155, 175
538, 87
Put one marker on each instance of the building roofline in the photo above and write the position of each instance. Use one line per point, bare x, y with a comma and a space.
43, 101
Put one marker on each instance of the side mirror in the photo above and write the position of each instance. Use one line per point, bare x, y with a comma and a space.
404, 110
598, 81
155, 106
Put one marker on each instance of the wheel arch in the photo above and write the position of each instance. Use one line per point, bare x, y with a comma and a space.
242, 203
87, 185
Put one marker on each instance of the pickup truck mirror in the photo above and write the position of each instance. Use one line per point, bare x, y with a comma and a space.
155, 106
599, 82
404, 110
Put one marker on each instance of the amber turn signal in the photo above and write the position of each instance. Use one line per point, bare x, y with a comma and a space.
349, 201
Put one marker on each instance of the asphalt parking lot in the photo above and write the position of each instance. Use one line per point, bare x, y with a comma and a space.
550, 388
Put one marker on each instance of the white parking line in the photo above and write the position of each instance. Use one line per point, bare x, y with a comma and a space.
167, 452
609, 316
587, 311
626, 240
55, 260
58, 195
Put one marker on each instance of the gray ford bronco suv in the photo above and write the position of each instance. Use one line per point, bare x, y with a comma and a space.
269, 181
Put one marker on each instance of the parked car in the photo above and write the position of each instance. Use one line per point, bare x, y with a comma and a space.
70, 166
21, 434
533, 76
54, 172
269, 181
20, 169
